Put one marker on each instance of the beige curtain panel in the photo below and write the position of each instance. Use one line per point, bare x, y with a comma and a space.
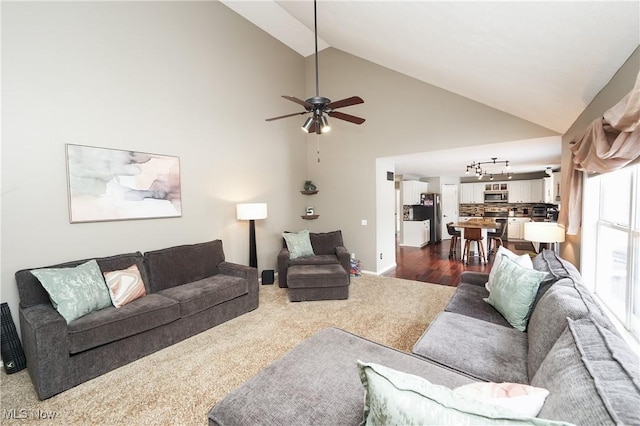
609, 143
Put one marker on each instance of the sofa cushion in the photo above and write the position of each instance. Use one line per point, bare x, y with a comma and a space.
592, 375
564, 299
32, 293
77, 291
467, 300
112, 324
324, 259
184, 264
395, 397
487, 351
513, 290
202, 294
326, 242
556, 268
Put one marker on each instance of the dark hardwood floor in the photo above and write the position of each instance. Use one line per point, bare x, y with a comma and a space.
431, 264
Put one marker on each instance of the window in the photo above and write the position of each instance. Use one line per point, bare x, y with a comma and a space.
611, 244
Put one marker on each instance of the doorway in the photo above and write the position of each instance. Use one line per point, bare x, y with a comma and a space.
449, 207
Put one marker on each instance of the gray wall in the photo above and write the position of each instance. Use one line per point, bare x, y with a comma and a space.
621, 84
190, 79
404, 116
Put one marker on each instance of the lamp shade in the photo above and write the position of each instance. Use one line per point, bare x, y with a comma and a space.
543, 232
251, 211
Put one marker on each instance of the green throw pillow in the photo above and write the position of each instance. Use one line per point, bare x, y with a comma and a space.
75, 292
396, 398
513, 291
298, 244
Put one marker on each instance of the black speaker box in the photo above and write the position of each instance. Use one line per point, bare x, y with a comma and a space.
267, 276
10, 348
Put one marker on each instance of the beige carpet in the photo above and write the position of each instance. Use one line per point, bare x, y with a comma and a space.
179, 384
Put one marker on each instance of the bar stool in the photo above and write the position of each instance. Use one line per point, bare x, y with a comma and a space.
455, 237
470, 235
496, 236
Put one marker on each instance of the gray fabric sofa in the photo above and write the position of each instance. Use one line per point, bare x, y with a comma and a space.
328, 249
190, 288
570, 349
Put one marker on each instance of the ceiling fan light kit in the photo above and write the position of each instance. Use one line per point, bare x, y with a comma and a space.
318, 105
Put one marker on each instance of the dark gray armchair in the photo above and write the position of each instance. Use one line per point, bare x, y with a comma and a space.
328, 248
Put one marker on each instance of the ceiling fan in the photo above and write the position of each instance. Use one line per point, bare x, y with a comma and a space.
317, 105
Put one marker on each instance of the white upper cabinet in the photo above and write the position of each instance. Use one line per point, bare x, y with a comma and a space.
472, 193
519, 191
411, 190
536, 190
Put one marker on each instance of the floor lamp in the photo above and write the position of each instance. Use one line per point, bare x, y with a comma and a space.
544, 232
252, 212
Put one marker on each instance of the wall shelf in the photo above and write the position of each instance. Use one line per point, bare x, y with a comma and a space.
310, 216
309, 192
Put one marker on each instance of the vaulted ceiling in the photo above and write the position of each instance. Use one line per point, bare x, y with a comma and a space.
542, 61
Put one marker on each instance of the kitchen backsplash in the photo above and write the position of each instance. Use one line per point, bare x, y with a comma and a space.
522, 210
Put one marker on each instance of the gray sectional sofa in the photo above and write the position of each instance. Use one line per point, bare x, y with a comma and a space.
569, 348
190, 288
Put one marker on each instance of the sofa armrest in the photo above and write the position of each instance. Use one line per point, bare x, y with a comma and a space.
475, 278
344, 256
241, 271
46, 347
236, 270
283, 265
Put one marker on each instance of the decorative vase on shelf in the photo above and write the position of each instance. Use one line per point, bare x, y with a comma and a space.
309, 186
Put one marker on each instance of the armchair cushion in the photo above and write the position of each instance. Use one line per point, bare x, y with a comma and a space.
326, 242
298, 244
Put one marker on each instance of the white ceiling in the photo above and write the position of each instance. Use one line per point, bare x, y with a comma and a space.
541, 61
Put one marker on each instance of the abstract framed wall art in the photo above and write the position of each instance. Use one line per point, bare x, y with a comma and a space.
111, 184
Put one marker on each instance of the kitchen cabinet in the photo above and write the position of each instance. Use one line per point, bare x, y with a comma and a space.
536, 190
416, 233
548, 194
472, 193
519, 191
556, 187
411, 190
515, 228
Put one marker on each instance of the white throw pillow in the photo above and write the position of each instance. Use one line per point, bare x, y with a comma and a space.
522, 260
523, 399
399, 398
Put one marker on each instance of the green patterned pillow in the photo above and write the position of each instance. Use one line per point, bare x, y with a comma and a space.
75, 292
298, 244
513, 291
396, 398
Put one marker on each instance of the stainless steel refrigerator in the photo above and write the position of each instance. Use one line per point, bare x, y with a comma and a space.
432, 211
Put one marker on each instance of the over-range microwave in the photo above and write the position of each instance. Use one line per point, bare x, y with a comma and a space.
496, 196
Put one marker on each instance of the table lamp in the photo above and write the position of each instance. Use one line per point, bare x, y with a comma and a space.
252, 212
544, 232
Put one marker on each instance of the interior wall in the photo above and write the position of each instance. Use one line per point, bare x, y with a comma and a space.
619, 86
174, 78
403, 116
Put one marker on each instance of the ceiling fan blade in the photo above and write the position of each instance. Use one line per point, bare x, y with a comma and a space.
346, 117
285, 116
354, 100
298, 101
